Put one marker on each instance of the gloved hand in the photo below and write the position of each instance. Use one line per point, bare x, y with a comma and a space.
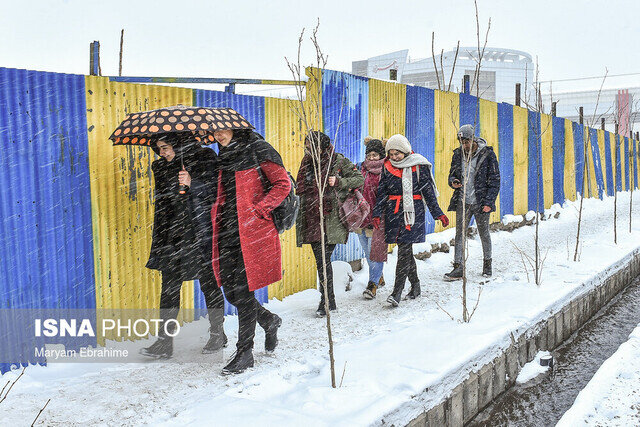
376, 223
444, 220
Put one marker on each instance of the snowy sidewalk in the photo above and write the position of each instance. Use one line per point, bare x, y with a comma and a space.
612, 397
389, 357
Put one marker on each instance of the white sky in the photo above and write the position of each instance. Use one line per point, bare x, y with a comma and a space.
250, 38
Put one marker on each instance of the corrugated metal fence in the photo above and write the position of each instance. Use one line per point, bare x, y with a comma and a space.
76, 213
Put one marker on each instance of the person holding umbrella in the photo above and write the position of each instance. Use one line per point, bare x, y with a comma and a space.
252, 181
181, 248
182, 231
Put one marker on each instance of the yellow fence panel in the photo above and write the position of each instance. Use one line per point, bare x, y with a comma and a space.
122, 203
546, 137
520, 160
387, 108
447, 117
569, 162
286, 132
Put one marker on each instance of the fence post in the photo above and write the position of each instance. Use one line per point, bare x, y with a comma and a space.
517, 94
554, 105
94, 58
466, 85
581, 115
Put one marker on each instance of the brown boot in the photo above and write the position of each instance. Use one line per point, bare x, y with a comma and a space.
381, 282
370, 292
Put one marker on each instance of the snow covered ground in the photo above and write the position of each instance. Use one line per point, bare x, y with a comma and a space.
612, 397
385, 358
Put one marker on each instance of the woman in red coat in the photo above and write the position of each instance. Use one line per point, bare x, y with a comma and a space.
246, 245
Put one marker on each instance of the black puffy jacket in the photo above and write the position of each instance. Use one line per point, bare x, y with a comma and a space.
486, 181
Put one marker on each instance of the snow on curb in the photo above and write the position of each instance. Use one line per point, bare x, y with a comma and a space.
612, 397
533, 368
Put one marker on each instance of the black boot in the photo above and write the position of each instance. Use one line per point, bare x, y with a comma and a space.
415, 285
486, 268
217, 337
271, 333
394, 298
320, 312
241, 360
455, 274
161, 349
415, 290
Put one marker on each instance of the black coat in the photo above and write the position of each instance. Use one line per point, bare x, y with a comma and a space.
486, 181
182, 228
389, 188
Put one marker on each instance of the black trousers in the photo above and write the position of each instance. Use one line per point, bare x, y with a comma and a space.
233, 276
316, 247
406, 267
170, 294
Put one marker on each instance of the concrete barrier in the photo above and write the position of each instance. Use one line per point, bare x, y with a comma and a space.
481, 387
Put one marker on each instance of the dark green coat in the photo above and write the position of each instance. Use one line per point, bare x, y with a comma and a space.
349, 177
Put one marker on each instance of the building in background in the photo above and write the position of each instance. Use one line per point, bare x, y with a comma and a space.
616, 106
500, 71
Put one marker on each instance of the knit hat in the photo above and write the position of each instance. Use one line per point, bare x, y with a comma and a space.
398, 142
374, 146
316, 136
466, 132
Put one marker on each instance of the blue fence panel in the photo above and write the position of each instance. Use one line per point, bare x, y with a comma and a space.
345, 115
578, 149
470, 112
608, 163
558, 160
253, 109
45, 205
626, 164
616, 141
535, 175
597, 162
635, 163
345, 112
505, 137
420, 126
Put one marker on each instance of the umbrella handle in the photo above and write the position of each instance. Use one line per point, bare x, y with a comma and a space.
183, 188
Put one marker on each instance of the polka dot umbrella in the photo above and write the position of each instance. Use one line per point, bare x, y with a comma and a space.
145, 127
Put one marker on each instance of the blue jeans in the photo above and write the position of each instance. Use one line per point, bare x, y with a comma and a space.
375, 268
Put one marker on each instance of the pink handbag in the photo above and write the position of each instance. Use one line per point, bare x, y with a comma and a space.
354, 210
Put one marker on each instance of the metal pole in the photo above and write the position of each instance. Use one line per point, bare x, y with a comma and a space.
553, 108
581, 115
466, 84
121, 42
517, 94
94, 58
602, 123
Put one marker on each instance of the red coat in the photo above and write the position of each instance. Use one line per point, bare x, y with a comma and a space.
259, 238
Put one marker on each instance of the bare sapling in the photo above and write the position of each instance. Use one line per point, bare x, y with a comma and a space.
308, 110
466, 314
466, 159
585, 166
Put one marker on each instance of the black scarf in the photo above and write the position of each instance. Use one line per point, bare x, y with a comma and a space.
247, 151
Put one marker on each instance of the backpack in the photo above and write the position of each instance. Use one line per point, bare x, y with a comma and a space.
285, 214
